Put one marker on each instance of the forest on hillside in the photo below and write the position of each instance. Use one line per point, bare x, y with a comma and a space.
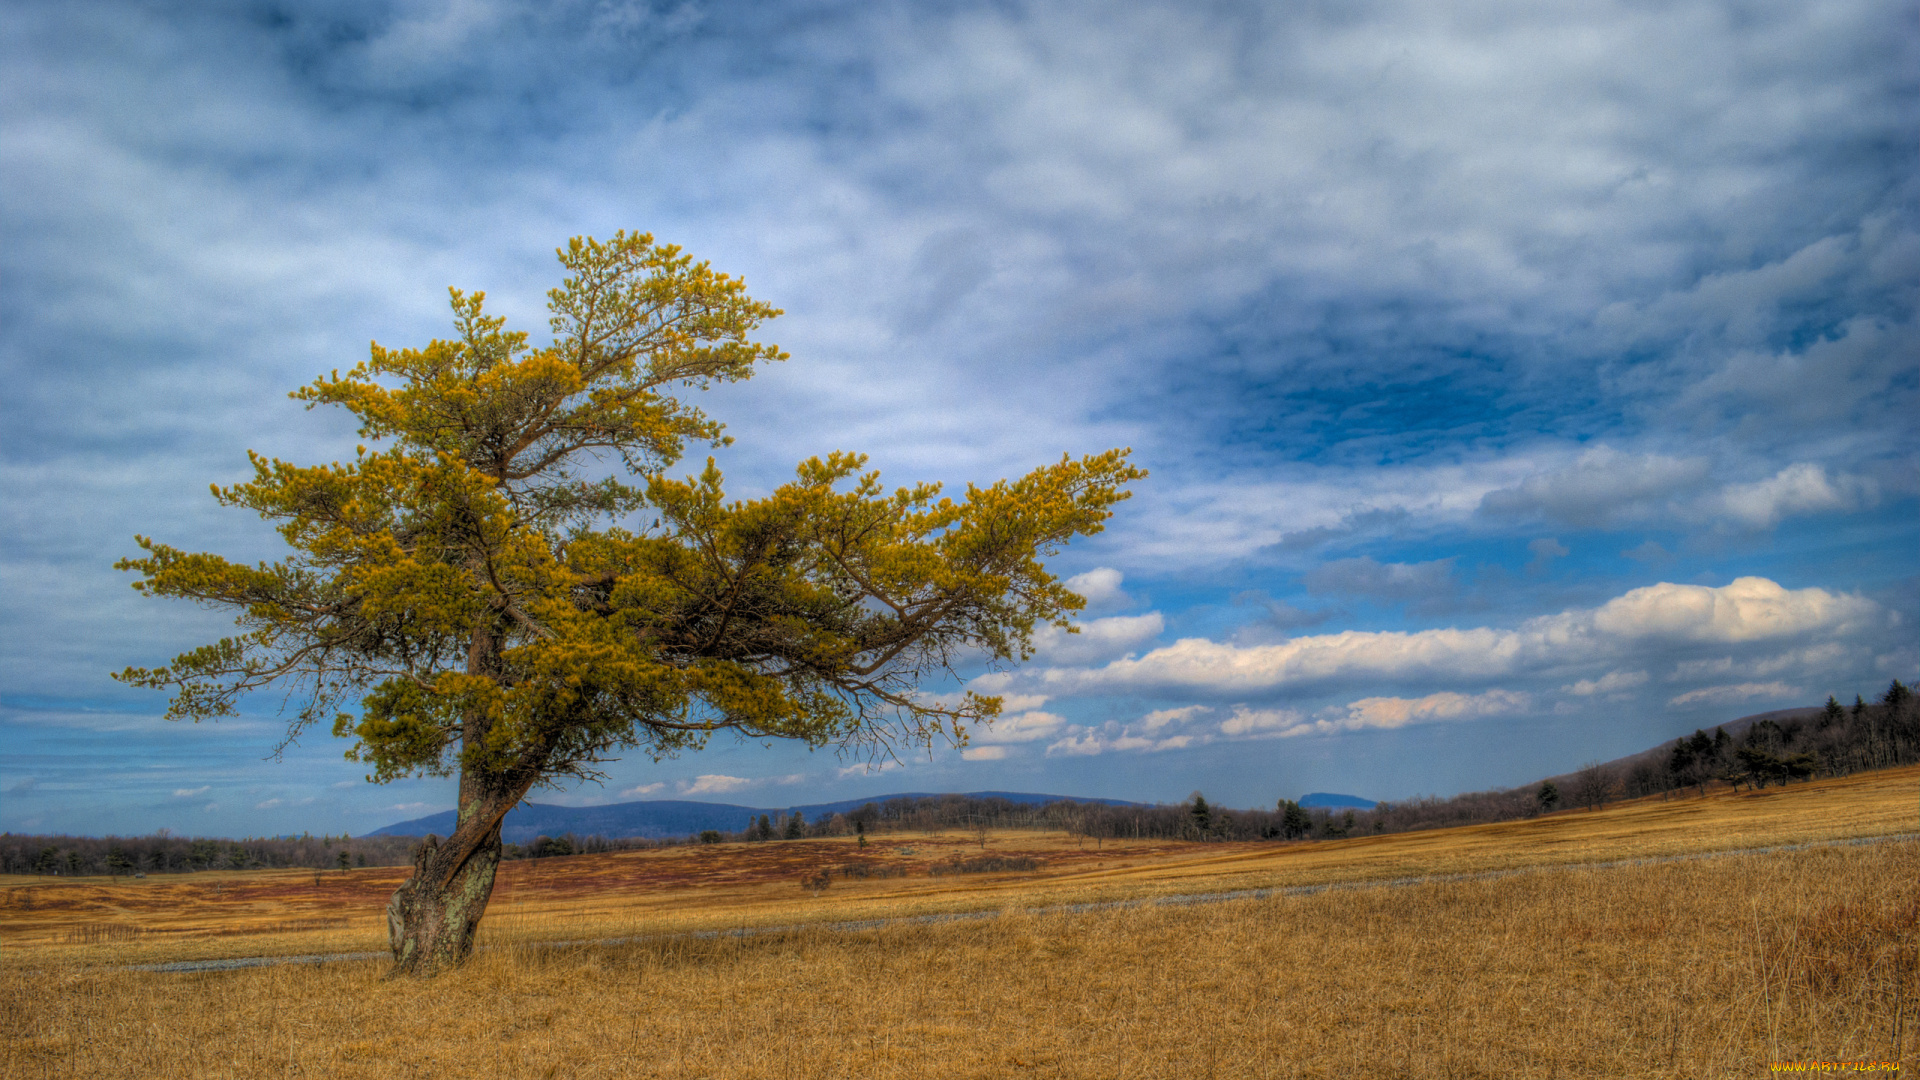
163, 852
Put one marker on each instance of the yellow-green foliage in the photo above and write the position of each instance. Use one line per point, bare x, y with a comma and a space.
461, 595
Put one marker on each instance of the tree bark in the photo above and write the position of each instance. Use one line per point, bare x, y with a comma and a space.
432, 917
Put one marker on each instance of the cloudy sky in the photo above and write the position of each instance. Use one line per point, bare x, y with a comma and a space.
1522, 383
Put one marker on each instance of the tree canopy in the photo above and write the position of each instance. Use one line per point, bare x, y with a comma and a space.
508, 585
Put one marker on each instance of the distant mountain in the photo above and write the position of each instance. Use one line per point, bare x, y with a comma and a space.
663, 818
1331, 801
648, 819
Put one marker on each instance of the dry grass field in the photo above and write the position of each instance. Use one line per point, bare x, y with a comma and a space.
1709, 967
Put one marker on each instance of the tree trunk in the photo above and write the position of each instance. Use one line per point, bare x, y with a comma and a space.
432, 917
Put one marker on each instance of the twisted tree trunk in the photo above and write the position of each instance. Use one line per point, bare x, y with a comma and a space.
432, 917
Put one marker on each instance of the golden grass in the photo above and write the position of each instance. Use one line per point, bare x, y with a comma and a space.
1689, 969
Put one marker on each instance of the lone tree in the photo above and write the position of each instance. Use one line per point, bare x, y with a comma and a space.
506, 585
1294, 821
1548, 796
1202, 815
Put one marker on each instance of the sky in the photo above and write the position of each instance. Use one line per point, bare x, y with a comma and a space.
1521, 384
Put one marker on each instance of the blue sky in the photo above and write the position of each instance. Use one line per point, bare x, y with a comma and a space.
1522, 383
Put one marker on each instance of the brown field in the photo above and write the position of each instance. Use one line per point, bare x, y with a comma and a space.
1709, 967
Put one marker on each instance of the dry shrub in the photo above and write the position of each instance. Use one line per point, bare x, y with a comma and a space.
867, 871
100, 934
986, 864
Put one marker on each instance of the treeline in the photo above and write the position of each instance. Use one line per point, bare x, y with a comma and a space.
1195, 820
927, 813
163, 853
1837, 741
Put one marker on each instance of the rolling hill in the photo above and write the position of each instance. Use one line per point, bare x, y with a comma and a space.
1333, 801
660, 818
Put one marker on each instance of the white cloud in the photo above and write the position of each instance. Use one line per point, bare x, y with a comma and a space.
984, 753
1613, 682
1091, 741
1828, 380
1747, 609
1607, 488
992, 684
868, 768
1641, 621
1245, 721
1212, 519
1394, 712
1602, 487
644, 789
1738, 692
1086, 743
428, 40
1200, 664
1151, 733
1793, 491
1015, 703
1018, 728
1098, 639
1695, 670
1100, 586
715, 784
1813, 659
1160, 718
268, 805
190, 792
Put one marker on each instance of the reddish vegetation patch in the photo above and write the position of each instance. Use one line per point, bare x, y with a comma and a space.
217, 902
197, 903
731, 865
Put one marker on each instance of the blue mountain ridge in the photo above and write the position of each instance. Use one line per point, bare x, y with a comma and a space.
1331, 801
655, 819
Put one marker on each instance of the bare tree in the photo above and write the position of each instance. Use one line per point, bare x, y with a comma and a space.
1593, 785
